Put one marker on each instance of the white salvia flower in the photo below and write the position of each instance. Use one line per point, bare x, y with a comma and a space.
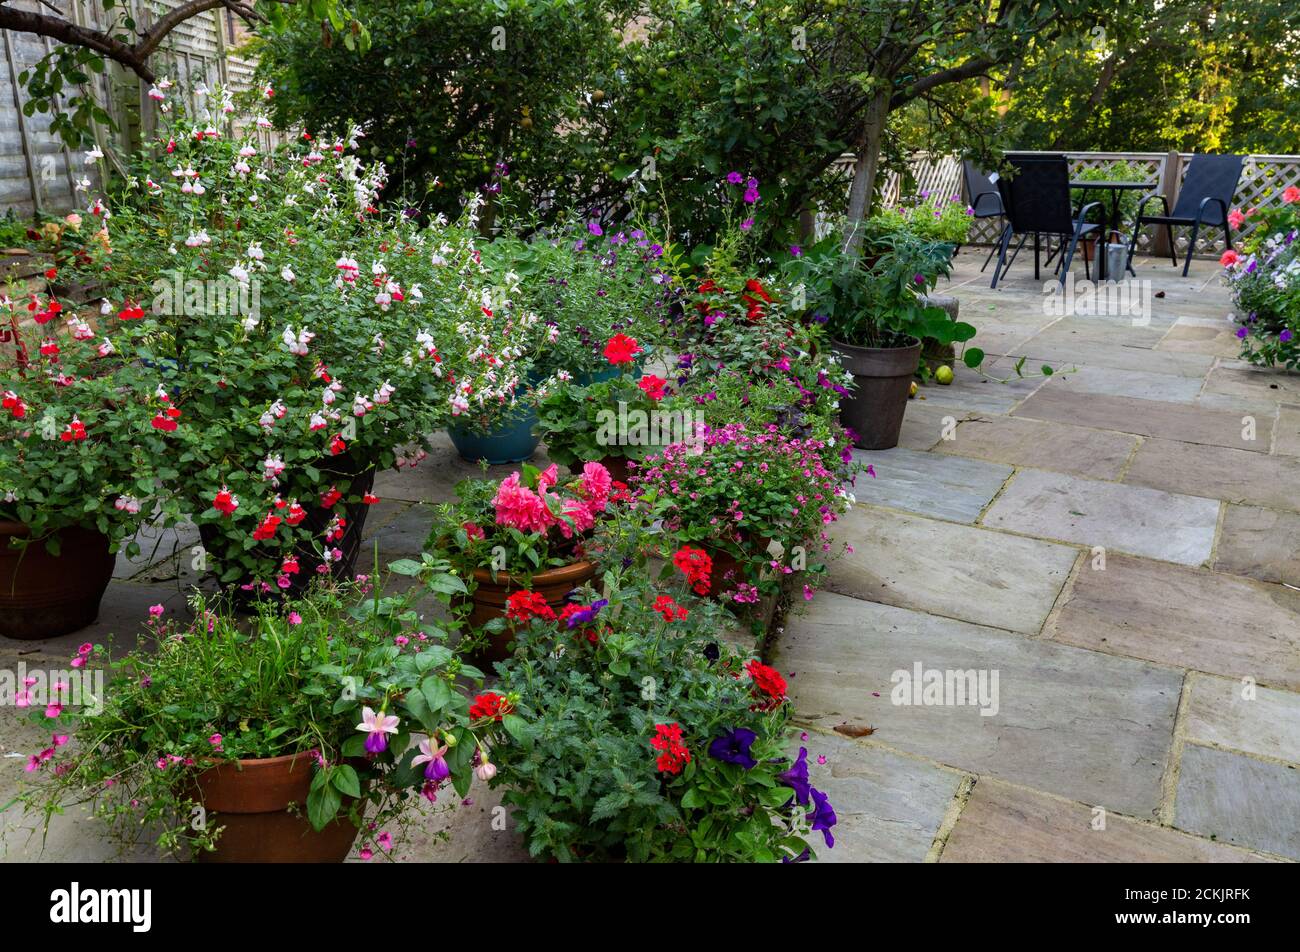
255, 251
106, 348
239, 273
297, 343
104, 306
385, 392
361, 406
83, 185
94, 155
286, 274
272, 466
247, 152
249, 323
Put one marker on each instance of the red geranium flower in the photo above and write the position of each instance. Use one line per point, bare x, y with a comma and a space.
620, 349
769, 685
674, 754
489, 705
652, 386
671, 611
525, 605
696, 565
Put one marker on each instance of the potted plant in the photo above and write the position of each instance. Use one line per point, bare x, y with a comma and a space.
871, 305
275, 740
83, 441
644, 739
931, 217
1264, 277
613, 421
756, 501
530, 531
302, 339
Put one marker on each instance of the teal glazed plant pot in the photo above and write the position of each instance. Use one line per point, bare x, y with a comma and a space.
511, 442
586, 379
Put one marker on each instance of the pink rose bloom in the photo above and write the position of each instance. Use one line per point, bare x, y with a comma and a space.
577, 517
518, 507
595, 484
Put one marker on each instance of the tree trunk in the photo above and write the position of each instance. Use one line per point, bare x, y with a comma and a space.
866, 166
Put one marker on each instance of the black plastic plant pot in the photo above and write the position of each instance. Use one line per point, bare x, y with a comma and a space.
882, 378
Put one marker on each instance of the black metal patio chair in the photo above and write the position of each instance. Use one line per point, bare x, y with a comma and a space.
1037, 202
984, 197
1204, 199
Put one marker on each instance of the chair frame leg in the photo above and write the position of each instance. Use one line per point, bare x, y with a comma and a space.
1002, 255
1191, 247
1173, 247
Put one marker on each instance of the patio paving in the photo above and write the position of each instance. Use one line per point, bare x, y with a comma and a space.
1159, 689
1156, 688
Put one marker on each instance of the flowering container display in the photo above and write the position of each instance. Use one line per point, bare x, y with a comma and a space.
283, 740
643, 739
930, 216
527, 532
82, 455
298, 339
736, 491
1265, 280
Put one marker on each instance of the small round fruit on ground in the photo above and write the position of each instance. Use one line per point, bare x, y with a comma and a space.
943, 375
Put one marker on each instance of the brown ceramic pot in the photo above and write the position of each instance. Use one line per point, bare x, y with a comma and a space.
44, 595
489, 598
251, 799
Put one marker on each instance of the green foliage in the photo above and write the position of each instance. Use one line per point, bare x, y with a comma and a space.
581, 424
581, 771
1117, 171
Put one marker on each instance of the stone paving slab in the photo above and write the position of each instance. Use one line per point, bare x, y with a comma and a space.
1241, 379
970, 390
945, 487
1217, 472
1261, 543
1287, 438
156, 544
1168, 388
1184, 617
1076, 723
925, 423
1005, 824
1215, 337
889, 806
988, 578
1099, 454
1239, 800
1089, 512
1063, 354
1249, 719
1169, 421
404, 535
122, 615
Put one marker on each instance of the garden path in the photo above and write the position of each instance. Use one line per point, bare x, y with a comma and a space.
1117, 544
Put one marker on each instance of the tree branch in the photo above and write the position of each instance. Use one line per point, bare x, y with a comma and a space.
967, 70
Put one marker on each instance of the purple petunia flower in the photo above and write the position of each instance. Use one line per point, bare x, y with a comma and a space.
1285, 335
796, 778
733, 748
823, 816
751, 195
796, 251
735, 178
1241, 333
594, 227
587, 613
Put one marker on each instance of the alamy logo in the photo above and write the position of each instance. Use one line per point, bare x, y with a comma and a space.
1127, 298
933, 687
624, 427
77, 905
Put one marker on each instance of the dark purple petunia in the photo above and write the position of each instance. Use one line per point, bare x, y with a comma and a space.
801, 858
586, 614
823, 816
796, 778
711, 652
733, 748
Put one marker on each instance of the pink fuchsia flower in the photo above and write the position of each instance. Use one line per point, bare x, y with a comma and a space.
377, 728
384, 841
366, 853
486, 770
437, 769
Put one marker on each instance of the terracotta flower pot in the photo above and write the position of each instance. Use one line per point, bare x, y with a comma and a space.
724, 562
489, 598
883, 375
251, 799
44, 595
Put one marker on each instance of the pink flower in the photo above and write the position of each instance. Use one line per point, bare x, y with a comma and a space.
295, 618
215, 741
595, 484
1229, 258
1291, 195
1236, 218
518, 507
377, 727
385, 840
366, 853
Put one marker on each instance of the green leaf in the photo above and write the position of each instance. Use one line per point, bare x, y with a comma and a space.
323, 806
346, 781
973, 357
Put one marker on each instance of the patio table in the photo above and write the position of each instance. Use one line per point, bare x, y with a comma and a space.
1112, 225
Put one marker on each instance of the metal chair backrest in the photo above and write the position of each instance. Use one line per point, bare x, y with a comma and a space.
1208, 176
978, 183
1037, 195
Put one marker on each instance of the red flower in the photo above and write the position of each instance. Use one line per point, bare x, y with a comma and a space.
130, 312
225, 501
674, 755
524, 606
267, 529
337, 445
473, 530
329, 497
370, 499
296, 514
696, 565
769, 685
166, 421
652, 386
289, 566
489, 706
14, 404
671, 611
75, 432
620, 349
